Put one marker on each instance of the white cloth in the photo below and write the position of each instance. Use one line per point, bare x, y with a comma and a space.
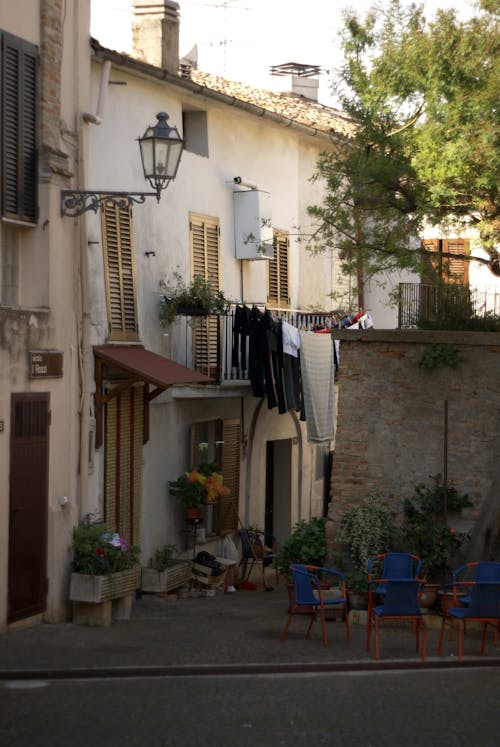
318, 376
291, 339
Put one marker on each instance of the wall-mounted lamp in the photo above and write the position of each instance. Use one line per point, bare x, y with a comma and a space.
161, 151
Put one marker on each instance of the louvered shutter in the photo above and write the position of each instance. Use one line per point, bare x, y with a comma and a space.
228, 508
457, 268
19, 120
205, 256
123, 463
119, 272
277, 274
449, 269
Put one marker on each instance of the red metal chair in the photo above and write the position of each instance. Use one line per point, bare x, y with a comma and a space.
308, 591
400, 602
483, 607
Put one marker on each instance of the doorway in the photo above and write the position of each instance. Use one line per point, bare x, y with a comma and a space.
278, 503
28, 505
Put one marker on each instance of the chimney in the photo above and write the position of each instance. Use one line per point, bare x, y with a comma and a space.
155, 33
293, 77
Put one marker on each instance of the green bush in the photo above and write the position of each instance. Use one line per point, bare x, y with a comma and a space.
367, 529
306, 544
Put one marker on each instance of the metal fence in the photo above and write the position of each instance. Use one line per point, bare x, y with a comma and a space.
445, 306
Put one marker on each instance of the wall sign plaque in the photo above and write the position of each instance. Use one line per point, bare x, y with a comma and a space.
45, 364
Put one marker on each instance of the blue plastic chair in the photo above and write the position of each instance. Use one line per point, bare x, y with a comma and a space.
476, 570
389, 565
400, 602
483, 606
308, 592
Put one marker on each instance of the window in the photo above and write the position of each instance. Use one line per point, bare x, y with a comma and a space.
204, 233
194, 128
449, 269
119, 272
9, 253
19, 125
223, 439
277, 272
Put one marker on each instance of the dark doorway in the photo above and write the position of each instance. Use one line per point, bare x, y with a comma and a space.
278, 506
28, 505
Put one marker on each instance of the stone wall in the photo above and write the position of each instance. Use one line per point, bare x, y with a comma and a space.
391, 424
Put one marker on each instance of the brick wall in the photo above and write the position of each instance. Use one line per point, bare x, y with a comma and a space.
390, 426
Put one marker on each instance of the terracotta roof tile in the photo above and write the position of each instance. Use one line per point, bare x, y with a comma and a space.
290, 105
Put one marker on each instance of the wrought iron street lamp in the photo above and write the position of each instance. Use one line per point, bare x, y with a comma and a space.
161, 150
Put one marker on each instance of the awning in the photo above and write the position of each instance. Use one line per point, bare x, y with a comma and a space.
138, 364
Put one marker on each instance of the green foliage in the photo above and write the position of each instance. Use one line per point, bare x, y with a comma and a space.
98, 552
163, 557
440, 354
424, 530
201, 485
306, 544
423, 99
367, 529
356, 580
197, 298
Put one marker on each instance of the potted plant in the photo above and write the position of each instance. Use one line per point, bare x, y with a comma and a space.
202, 485
306, 544
366, 529
104, 565
166, 572
197, 298
425, 531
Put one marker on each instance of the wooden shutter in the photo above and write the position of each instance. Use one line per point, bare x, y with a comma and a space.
228, 433
123, 463
449, 269
228, 509
119, 272
205, 261
19, 128
277, 273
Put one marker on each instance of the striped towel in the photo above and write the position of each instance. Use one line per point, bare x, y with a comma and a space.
317, 369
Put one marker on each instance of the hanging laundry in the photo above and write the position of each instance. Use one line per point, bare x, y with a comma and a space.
318, 375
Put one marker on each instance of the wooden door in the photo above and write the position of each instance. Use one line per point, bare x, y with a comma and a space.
28, 505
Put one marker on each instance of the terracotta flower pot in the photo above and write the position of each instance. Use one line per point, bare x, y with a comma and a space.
194, 513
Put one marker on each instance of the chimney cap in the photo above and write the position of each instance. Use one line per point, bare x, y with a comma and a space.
295, 68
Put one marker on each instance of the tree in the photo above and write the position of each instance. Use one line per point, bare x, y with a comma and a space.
423, 99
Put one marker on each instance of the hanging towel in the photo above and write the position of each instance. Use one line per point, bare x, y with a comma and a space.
317, 369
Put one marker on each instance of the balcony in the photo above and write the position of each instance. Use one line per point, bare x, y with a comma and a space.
205, 343
448, 306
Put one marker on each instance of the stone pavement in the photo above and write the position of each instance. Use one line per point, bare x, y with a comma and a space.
210, 634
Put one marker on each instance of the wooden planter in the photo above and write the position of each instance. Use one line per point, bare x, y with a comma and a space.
171, 578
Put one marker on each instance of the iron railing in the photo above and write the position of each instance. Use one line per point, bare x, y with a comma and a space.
216, 357
446, 306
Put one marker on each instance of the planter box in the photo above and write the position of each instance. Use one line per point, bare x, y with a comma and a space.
164, 581
95, 589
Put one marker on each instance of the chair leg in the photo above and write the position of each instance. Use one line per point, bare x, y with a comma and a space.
424, 638
441, 635
483, 643
323, 625
313, 619
368, 629
377, 649
285, 629
346, 620
460, 640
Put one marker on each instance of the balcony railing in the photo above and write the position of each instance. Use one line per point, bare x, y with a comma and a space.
447, 306
206, 343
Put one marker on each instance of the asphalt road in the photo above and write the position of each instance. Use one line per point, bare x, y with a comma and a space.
449, 708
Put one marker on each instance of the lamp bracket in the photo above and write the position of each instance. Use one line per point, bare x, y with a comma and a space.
76, 202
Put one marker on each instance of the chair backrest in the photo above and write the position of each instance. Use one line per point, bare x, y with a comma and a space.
305, 583
396, 565
484, 600
487, 570
401, 597
251, 543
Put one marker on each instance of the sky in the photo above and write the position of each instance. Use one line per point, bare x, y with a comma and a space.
241, 39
